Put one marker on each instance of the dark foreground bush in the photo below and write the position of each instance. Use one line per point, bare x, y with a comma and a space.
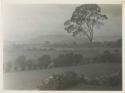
112, 80
69, 79
60, 81
115, 80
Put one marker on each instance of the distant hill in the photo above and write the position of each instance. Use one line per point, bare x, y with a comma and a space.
69, 39
56, 39
62, 39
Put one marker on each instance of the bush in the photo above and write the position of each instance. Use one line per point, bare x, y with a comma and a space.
60, 81
44, 61
69, 79
84, 79
112, 80
115, 80
20, 62
68, 60
107, 56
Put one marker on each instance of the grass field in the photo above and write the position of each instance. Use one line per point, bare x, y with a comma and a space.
29, 80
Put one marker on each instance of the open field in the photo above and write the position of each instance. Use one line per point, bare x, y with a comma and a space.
29, 80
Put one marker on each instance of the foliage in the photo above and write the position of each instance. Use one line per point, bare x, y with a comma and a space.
115, 80
68, 59
60, 81
44, 61
69, 79
20, 62
112, 80
108, 56
119, 42
84, 19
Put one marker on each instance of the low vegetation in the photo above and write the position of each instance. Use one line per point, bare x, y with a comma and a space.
60, 81
67, 59
66, 80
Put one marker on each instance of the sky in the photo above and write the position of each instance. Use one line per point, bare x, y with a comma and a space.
24, 21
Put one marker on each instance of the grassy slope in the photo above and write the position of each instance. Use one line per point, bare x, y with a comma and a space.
31, 79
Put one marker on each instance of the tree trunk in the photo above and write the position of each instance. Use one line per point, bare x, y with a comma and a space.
91, 43
91, 37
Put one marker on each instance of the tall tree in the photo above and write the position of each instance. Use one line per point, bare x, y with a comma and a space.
84, 19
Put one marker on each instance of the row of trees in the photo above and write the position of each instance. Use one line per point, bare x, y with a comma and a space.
43, 62
69, 59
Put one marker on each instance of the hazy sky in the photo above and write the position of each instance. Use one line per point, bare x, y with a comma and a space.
27, 21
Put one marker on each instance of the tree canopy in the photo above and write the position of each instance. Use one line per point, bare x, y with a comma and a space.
84, 19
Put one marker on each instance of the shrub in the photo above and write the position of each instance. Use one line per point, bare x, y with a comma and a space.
44, 61
112, 80
20, 62
107, 56
68, 59
60, 81
84, 79
115, 80
69, 79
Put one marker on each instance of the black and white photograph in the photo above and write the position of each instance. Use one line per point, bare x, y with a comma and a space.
65, 47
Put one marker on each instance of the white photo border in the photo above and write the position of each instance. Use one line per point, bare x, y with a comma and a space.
6, 2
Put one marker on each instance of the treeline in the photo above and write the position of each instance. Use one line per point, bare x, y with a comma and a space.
117, 43
68, 59
49, 46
